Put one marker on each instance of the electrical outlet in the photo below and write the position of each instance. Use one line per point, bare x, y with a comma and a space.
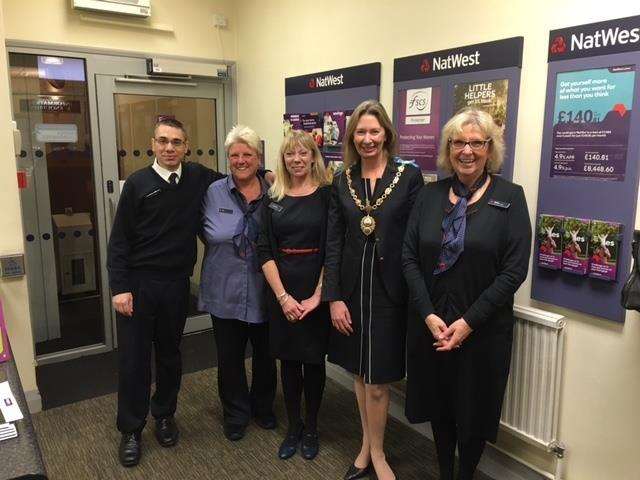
219, 21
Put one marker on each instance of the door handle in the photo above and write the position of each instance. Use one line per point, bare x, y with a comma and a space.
109, 186
112, 211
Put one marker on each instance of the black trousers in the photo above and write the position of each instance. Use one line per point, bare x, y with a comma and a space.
159, 315
239, 402
299, 377
445, 431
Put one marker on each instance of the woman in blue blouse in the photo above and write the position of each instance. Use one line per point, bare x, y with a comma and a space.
231, 286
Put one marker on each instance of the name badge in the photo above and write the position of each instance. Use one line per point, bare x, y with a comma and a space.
499, 204
275, 207
225, 210
154, 193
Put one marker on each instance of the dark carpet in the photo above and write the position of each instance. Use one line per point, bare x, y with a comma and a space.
96, 375
79, 441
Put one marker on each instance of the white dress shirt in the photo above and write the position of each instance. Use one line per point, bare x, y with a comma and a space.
164, 173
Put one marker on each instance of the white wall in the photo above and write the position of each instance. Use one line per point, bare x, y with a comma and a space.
190, 23
599, 419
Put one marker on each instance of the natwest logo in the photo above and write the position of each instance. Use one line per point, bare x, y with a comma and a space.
455, 60
425, 66
605, 38
327, 81
558, 45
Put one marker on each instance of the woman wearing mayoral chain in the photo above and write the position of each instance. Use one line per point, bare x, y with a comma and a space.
369, 207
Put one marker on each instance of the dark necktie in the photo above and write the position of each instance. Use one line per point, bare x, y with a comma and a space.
173, 178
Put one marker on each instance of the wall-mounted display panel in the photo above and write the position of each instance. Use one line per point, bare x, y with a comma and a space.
429, 88
589, 167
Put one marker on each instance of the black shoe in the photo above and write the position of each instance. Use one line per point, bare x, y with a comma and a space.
268, 422
167, 431
234, 432
289, 445
354, 472
129, 451
310, 445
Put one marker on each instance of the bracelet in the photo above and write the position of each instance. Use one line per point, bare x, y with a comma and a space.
281, 295
284, 299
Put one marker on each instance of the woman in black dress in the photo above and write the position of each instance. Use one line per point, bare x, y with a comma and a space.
291, 251
466, 252
370, 205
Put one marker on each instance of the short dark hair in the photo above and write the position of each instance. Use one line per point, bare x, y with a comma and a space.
170, 122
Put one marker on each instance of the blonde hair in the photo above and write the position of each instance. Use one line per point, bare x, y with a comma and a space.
485, 123
243, 134
350, 155
318, 172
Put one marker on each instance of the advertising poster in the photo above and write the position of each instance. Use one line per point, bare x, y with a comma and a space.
550, 241
592, 113
291, 122
575, 245
309, 122
419, 126
603, 249
488, 96
334, 125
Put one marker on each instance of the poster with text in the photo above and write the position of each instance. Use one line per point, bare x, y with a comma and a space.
290, 122
309, 122
489, 96
419, 126
592, 116
334, 125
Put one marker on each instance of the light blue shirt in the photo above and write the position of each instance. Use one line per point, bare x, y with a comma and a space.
230, 286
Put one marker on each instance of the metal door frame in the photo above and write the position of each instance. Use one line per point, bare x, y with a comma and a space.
120, 63
107, 86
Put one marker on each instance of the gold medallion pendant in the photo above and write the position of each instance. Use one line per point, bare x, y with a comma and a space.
367, 224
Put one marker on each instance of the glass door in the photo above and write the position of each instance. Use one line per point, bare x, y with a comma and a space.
128, 110
50, 103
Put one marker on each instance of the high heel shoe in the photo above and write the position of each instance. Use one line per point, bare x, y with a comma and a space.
355, 472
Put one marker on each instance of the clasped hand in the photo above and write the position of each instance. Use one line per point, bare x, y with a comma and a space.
295, 311
447, 338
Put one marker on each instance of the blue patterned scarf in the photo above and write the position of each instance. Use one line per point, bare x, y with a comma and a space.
454, 224
246, 233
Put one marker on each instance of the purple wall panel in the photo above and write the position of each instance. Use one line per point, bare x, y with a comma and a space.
613, 201
346, 99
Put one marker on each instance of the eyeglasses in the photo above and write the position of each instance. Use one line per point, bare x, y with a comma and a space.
176, 142
474, 144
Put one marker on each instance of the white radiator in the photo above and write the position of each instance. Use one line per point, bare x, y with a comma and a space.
532, 399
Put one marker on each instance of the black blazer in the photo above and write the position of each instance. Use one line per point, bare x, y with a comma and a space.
345, 240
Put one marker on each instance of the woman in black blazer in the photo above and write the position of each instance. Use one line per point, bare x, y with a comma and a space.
363, 282
466, 252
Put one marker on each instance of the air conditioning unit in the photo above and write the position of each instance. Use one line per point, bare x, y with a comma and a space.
138, 8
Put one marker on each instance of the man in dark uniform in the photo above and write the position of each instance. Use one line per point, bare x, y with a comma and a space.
151, 255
